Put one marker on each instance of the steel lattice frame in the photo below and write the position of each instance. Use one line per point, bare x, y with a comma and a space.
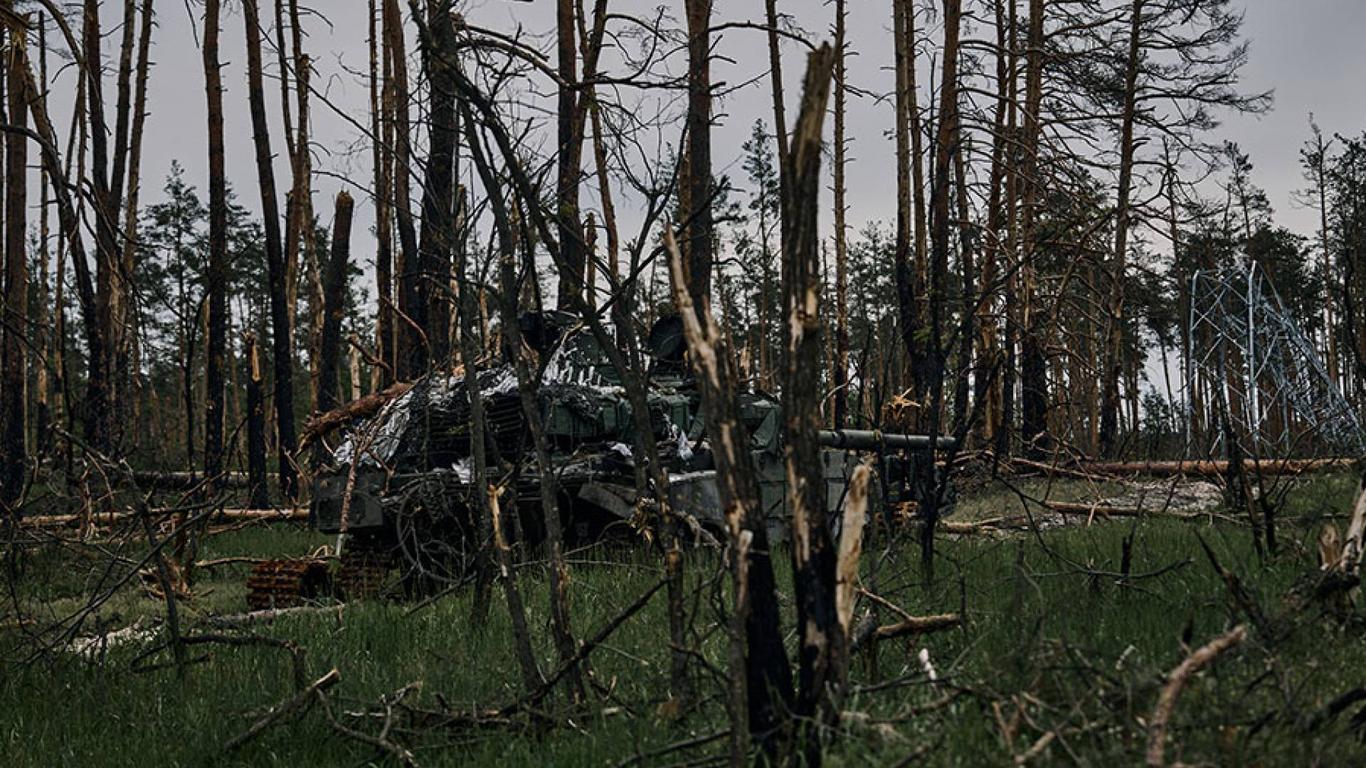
1248, 358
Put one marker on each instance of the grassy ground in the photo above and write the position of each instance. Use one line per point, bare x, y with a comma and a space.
1054, 641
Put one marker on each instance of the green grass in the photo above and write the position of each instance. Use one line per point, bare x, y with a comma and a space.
1081, 654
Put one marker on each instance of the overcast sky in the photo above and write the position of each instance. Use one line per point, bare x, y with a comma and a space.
1309, 52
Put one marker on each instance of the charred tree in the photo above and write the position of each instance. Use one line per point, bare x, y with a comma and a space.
410, 338
300, 246
910, 251
569, 156
432, 270
257, 491
216, 274
775, 76
15, 325
99, 402
698, 247
945, 148
822, 646
334, 305
281, 338
839, 381
767, 674
381, 143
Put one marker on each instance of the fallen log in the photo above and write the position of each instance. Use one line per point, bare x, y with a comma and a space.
908, 625
251, 618
1056, 469
1211, 468
918, 625
109, 518
184, 481
1106, 510
323, 424
963, 529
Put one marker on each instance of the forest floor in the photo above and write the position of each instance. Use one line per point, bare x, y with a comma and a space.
1059, 660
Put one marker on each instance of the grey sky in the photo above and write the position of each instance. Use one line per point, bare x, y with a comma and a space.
1309, 52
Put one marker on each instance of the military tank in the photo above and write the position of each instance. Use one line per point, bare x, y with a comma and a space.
398, 490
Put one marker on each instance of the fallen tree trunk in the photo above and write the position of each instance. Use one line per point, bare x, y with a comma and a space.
184, 481
909, 625
325, 423
235, 515
1108, 510
1208, 468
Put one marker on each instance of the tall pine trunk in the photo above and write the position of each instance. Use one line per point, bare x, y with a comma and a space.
945, 149
433, 272
698, 246
1033, 363
410, 349
839, 382
382, 159
282, 342
216, 274
1114, 327
14, 349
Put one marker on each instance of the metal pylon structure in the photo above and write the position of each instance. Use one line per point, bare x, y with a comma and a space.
1248, 359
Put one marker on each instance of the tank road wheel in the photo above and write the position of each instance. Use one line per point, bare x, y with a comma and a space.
365, 563
286, 583
435, 538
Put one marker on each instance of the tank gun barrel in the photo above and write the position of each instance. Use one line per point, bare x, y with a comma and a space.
876, 440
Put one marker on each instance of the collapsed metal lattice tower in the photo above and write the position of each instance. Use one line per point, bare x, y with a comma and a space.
1249, 361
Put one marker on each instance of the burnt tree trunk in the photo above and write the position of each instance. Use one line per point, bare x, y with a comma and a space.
945, 147
839, 382
767, 674
822, 646
433, 268
282, 342
698, 246
382, 158
216, 275
775, 76
14, 350
410, 339
568, 160
99, 401
910, 219
334, 305
257, 492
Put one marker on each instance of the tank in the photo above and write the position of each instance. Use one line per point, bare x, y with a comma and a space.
398, 489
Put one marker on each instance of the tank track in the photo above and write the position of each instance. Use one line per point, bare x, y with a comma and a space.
287, 583
365, 565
